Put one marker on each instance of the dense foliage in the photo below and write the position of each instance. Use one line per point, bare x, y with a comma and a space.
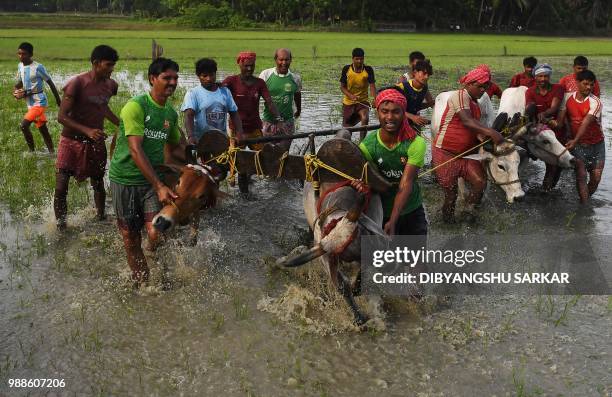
569, 16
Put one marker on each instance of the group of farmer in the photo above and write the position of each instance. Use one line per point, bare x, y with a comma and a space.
149, 128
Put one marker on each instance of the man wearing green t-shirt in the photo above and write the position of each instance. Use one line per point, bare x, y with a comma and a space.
285, 88
398, 153
148, 132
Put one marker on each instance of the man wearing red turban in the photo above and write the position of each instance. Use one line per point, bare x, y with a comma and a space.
246, 90
458, 132
397, 152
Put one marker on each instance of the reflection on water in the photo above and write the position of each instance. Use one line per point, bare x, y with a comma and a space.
231, 324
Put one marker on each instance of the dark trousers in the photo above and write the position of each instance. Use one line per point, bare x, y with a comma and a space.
412, 224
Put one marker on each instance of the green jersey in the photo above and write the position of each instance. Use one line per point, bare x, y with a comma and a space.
282, 88
141, 116
391, 163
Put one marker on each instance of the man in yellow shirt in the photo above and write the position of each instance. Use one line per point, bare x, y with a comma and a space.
355, 80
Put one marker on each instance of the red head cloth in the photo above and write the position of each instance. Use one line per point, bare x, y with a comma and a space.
393, 95
481, 74
245, 56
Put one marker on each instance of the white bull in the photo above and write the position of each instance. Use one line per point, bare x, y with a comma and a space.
502, 169
541, 140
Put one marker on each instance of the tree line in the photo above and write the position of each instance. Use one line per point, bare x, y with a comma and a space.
567, 16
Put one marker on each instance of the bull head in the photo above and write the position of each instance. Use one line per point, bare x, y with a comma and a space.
334, 242
196, 187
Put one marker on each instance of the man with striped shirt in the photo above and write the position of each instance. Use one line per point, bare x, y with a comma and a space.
459, 130
31, 76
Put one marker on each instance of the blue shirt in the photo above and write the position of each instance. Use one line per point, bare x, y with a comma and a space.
210, 107
32, 77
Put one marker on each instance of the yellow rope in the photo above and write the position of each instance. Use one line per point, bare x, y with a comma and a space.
312, 164
364, 173
452, 159
258, 167
281, 166
227, 157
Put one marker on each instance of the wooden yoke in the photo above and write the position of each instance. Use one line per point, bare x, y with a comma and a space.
272, 161
345, 156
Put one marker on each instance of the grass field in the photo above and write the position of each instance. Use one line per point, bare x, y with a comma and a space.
318, 57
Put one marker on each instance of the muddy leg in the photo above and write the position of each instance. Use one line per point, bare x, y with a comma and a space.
99, 197
243, 183
60, 205
135, 256
364, 115
549, 178
153, 237
448, 208
192, 240
44, 131
581, 182
344, 287
27, 134
594, 179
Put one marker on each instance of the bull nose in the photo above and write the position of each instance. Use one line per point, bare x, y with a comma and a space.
161, 223
520, 198
573, 161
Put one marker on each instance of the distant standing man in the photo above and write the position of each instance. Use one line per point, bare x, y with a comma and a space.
30, 78
526, 77
570, 83
355, 81
583, 111
416, 92
494, 90
544, 100
82, 150
148, 133
413, 58
246, 90
286, 89
207, 105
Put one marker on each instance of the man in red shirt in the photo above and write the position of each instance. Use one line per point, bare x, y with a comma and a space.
582, 112
544, 100
246, 90
82, 152
526, 77
459, 129
569, 81
494, 90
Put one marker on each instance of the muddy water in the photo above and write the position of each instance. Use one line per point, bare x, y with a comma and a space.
229, 323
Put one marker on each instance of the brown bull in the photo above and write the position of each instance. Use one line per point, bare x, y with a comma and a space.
197, 189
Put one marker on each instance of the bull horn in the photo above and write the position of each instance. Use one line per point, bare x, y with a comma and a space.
303, 258
520, 131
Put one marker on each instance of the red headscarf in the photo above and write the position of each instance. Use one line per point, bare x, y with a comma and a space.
245, 56
392, 95
481, 74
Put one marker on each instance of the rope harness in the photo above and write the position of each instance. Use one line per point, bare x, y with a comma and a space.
322, 216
